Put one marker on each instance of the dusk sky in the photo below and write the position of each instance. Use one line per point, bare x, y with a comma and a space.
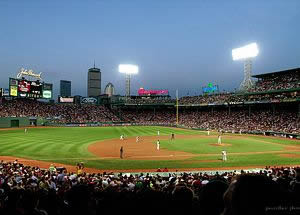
177, 44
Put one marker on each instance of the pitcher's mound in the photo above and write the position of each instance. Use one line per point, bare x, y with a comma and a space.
222, 144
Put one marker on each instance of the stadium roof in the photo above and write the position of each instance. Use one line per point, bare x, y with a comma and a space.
283, 72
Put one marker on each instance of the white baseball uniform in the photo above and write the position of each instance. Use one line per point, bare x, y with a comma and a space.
224, 157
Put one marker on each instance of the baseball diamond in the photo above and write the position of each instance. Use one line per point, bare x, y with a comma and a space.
159, 107
98, 148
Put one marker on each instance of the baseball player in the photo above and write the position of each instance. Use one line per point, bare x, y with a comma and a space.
158, 133
208, 132
137, 139
219, 139
25, 130
157, 144
122, 137
121, 152
224, 155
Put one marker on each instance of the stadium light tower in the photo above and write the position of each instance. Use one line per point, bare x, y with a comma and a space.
246, 53
129, 70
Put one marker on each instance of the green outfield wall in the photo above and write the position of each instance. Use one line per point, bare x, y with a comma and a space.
14, 122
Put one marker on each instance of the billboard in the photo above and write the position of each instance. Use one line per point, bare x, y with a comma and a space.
89, 100
210, 88
47, 94
13, 91
66, 99
47, 91
29, 89
5, 92
143, 92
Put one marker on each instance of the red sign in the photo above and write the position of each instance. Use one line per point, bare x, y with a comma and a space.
143, 92
24, 86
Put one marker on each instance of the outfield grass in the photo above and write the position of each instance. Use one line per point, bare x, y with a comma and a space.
69, 145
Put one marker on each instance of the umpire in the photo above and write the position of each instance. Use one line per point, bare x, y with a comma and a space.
121, 152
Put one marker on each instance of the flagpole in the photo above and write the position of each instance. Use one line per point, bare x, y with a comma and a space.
177, 107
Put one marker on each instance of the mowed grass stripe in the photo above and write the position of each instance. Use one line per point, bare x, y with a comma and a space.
29, 148
64, 144
140, 131
14, 146
148, 131
79, 149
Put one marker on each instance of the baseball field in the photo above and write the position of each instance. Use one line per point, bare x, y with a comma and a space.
99, 148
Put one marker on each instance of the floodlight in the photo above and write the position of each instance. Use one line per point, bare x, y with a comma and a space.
128, 69
245, 52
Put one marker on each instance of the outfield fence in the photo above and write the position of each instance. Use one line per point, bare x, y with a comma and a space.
11, 122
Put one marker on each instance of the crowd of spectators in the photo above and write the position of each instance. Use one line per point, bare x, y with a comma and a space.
32, 190
235, 119
258, 120
277, 82
165, 116
242, 120
150, 100
233, 98
63, 113
263, 87
220, 98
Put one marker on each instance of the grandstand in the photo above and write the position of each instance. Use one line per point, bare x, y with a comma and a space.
271, 107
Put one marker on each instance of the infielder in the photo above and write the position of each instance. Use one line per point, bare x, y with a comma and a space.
137, 139
219, 139
224, 155
122, 137
157, 144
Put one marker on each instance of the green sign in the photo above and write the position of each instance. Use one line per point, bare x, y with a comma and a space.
47, 94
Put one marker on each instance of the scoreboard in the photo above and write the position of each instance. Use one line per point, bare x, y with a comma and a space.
32, 89
29, 89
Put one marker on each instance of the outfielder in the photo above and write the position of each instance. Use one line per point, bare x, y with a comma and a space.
224, 155
158, 133
208, 132
219, 139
